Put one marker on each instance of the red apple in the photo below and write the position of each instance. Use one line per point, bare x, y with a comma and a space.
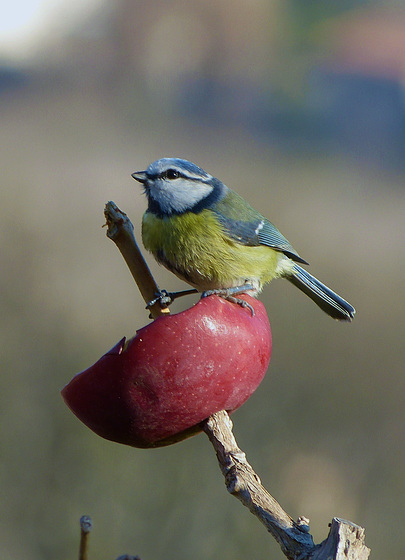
159, 387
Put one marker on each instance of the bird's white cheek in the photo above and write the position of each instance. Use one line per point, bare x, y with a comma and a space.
185, 195
190, 194
178, 195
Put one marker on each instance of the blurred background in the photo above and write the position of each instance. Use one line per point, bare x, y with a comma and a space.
298, 106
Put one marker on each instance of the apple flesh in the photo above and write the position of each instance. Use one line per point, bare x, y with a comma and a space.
160, 386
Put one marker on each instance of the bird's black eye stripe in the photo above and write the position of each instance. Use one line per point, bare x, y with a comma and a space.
171, 174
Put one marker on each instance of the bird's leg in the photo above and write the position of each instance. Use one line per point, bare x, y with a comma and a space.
229, 295
165, 298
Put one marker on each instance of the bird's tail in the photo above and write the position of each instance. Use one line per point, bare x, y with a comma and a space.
328, 301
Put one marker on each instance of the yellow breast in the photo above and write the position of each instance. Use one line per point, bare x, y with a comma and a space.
196, 248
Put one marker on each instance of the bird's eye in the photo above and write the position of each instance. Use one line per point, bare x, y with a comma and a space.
172, 174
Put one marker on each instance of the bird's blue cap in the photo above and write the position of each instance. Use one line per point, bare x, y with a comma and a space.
183, 166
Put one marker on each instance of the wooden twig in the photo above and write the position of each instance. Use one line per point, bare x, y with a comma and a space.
345, 540
85, 528
121, 231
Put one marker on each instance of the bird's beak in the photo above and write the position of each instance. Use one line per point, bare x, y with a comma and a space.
139, 176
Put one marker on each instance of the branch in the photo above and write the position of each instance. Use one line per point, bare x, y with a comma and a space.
121, 231
345, 540
85, 528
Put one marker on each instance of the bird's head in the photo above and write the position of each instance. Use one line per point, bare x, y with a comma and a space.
176, 186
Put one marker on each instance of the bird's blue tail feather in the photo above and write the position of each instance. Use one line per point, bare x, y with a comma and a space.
324, 297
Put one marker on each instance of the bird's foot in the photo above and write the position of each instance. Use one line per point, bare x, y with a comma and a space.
166, 298
229, 295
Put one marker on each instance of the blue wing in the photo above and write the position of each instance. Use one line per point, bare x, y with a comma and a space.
247, 226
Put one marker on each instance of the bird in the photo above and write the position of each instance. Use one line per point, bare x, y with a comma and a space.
211, 238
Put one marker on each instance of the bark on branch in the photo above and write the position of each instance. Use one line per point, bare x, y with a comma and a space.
345, 540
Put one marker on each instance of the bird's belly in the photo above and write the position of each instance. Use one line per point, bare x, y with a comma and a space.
195, 248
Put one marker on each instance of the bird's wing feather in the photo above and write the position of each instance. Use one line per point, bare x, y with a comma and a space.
270, 236
248, 227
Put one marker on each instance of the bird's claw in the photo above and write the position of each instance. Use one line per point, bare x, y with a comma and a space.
228, 294
163, 297
242, 303
166, 298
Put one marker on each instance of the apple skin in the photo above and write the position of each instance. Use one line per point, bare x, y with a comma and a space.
159, 387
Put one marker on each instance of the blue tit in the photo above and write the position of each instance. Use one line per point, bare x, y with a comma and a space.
211, 238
